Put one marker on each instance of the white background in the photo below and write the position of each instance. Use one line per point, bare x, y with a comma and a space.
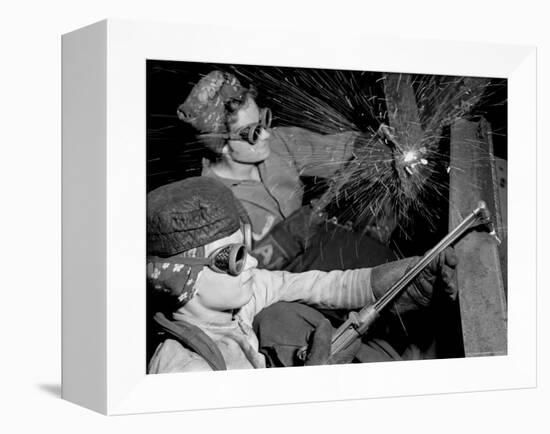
30, 140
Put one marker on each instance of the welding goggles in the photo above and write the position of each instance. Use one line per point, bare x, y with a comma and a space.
250, 133
229, 259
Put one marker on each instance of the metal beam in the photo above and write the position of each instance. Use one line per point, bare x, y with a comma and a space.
404, 118
402, 108
482, 295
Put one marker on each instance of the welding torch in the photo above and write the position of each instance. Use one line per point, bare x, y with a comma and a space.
358, 323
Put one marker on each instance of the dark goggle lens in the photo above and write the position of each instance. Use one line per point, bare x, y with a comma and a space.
230, 259
252, 133
265, 117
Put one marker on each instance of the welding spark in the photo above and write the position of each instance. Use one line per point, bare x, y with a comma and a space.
410, 157
384, 182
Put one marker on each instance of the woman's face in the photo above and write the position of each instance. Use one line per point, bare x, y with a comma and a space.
223, 292
242, 151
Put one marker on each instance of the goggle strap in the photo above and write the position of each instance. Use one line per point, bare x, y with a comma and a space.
247, 231
234, 250
191, 261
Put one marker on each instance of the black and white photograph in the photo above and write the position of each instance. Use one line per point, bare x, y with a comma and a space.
303, 216
281, 217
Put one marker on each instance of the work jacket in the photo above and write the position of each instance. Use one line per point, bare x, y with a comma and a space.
294, 152
236, 340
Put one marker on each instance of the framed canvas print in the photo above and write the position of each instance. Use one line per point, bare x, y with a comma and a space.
293, 217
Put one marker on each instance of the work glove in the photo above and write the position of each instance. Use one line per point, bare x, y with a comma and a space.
285, 329
319, 347
441, 271
439, 274
386, 133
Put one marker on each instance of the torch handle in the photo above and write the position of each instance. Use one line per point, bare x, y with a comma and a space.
358, 323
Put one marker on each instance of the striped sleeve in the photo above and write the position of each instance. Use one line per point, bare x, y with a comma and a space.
350, 289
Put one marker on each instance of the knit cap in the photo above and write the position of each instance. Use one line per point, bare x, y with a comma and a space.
182, 217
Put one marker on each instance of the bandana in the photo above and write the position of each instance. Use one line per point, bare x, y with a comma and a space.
170, 277
205, 107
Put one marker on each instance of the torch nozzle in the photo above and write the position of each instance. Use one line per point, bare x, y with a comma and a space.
484, 215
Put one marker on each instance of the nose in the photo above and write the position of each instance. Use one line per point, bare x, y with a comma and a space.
181, 113
264, 135
250, 263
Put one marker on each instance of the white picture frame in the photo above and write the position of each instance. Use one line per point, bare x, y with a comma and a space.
104, 187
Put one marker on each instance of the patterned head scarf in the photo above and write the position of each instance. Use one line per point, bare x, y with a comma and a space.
170, 277
205, 107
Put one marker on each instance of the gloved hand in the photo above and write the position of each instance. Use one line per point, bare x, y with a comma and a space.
319, 346
442, 272
439, 273
387, 133
284, 329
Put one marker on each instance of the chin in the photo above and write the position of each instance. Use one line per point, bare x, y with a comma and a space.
236, 304
246, 294
256, 156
